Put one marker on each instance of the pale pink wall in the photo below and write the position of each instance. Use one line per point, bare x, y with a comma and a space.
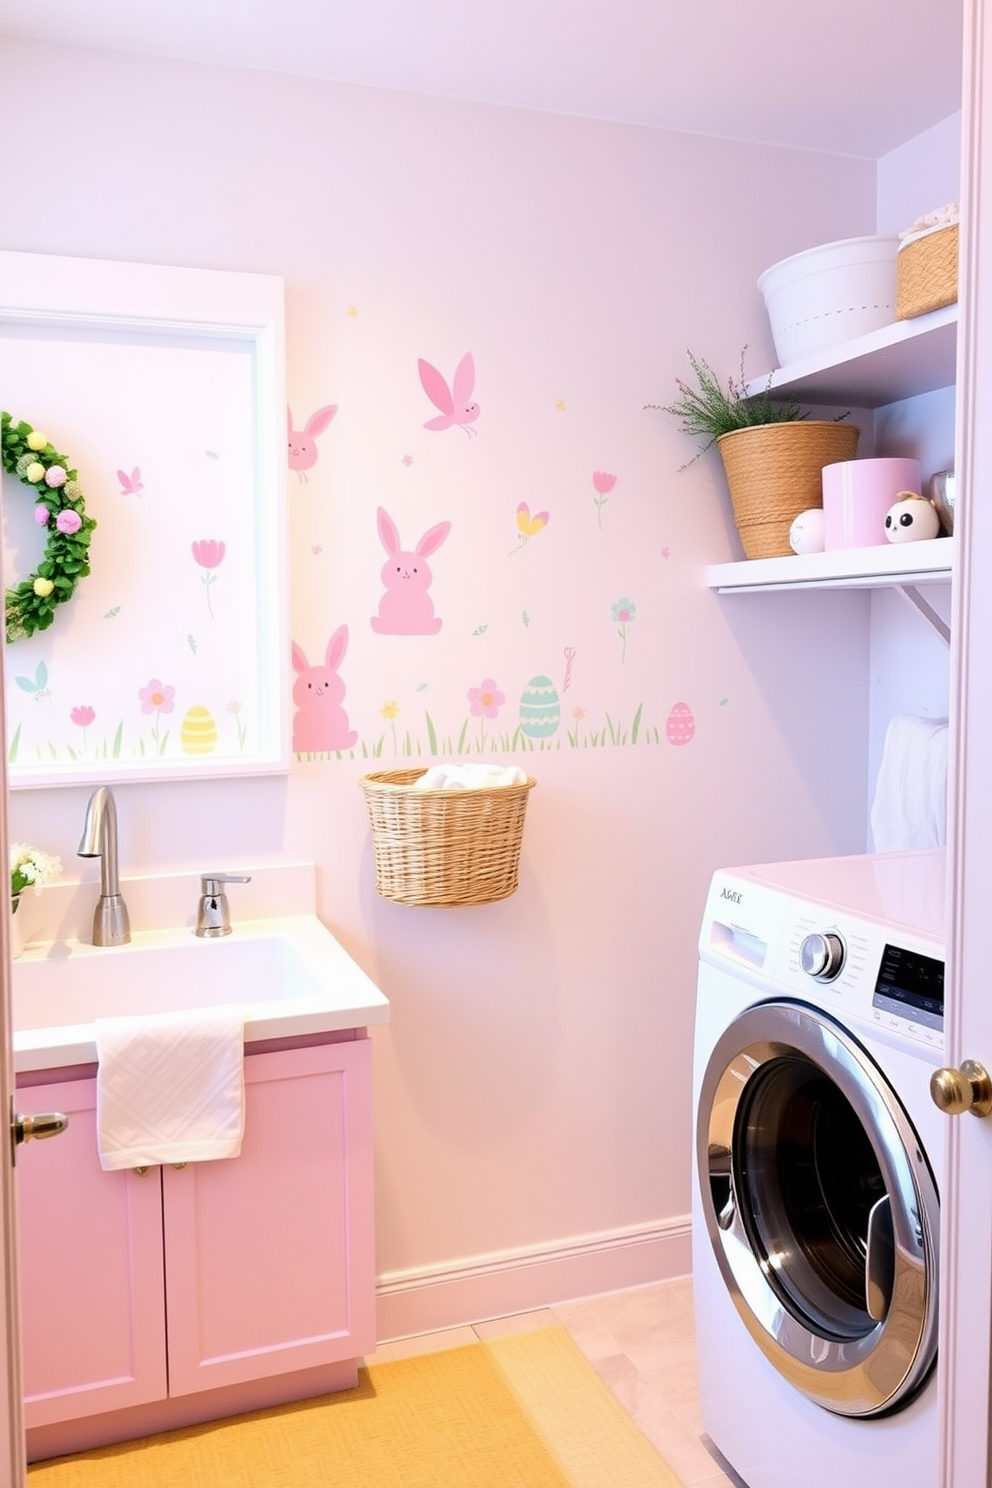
533, 1086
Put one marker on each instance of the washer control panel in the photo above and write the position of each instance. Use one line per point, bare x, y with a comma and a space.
910, 988
856, 965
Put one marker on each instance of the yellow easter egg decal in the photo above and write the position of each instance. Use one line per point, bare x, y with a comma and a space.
198, 734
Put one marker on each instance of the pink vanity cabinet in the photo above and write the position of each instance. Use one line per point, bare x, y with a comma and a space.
181, 1295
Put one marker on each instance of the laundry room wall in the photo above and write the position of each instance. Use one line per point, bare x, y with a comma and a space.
532, 1090
908, 668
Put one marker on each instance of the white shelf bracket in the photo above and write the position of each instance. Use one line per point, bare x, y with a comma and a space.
911, 593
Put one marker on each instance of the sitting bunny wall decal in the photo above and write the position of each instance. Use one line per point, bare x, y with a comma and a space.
320, 724
303, 442
406, 608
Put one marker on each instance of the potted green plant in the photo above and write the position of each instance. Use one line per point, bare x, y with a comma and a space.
773, 453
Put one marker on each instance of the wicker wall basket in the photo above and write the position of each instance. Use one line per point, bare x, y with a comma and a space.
927, 272
444, 847
774, 472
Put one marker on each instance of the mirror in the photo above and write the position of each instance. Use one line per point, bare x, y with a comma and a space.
164, 388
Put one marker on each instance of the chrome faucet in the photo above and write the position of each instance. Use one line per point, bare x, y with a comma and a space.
99, 840
213, 915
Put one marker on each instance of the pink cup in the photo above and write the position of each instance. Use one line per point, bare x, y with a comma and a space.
858, 493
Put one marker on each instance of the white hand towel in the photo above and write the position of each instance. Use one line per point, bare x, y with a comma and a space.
471, 776
170, 1087
910, 806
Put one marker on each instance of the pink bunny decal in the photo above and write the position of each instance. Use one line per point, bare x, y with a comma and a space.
406, 608
303, 444
320, 724
456, 404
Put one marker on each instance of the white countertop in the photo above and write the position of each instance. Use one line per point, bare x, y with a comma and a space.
290, 973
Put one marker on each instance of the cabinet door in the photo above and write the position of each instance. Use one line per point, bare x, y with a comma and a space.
91, 1274
269, 1256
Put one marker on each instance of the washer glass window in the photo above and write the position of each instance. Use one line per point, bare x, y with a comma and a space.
820, 1207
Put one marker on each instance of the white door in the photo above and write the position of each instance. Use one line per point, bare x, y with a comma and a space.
966, 1271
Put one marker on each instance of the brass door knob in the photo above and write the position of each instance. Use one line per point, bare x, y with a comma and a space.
966, 1089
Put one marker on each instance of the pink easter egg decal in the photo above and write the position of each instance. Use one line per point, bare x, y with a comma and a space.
680, 725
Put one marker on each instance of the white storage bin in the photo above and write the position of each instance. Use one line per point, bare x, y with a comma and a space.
830, 294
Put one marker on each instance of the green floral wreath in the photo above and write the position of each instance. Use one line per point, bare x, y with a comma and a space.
59, 506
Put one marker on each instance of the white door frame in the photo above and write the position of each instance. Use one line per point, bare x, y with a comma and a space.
12, 1451
966, 1269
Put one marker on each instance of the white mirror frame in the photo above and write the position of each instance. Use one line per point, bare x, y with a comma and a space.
67, 297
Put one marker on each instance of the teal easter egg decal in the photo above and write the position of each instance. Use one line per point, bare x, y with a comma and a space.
540, 708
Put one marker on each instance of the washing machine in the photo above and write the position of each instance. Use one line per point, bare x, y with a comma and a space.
817, 1169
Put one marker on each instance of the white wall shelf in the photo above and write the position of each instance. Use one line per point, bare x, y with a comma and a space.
907, 567
915, 563
897, 361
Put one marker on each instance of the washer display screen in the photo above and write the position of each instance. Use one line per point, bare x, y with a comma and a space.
911, 984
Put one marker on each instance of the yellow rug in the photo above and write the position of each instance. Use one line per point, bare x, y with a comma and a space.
526, 1411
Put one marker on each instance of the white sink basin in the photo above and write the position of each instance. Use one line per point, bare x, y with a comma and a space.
292, 976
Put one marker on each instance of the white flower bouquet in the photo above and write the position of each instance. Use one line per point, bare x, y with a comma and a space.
30, 868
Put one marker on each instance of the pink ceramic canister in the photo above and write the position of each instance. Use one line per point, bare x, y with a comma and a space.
858, 493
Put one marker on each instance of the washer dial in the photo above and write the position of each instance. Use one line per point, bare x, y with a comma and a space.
822, 956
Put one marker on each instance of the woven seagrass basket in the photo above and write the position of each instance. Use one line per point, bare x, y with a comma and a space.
444, 847
774, 472
927, 272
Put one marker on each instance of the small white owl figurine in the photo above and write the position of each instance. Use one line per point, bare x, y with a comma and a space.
912, 518
806, 532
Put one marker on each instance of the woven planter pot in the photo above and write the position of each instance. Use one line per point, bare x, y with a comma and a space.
774, 473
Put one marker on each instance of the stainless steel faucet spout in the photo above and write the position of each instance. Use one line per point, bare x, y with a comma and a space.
99, 840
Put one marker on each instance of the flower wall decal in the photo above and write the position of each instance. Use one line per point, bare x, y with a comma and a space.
624, 612
209, 554
528, 526
486, 700
158, 697
603, 483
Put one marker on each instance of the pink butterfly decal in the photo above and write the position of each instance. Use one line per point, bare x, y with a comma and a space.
455, 402
131, 485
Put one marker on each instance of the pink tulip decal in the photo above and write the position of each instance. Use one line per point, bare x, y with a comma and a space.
83, 716
528, 526
209, 554
603, 483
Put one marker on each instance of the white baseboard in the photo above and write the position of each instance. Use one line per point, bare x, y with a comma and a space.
423, 1299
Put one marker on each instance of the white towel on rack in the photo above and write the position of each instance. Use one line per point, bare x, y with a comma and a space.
170, 1087
910, 805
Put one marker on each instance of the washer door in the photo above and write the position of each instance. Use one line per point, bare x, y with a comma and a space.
821, 1208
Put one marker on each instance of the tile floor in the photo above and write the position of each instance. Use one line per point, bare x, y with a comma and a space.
641, 1343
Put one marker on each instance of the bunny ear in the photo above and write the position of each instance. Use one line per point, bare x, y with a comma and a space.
435, 386
300, 662
336, 647
432, 540
318, 422
387, 531
464, 383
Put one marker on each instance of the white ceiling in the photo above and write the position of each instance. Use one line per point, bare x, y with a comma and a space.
854, 77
